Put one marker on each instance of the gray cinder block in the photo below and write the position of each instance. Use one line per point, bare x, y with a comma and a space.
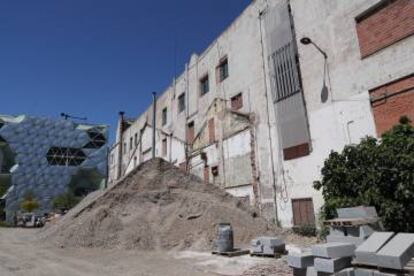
366, 252
333, 250
357, 212
299, 271
267, 245
397, 252
302, 260
332, 265
364, 272
344, 239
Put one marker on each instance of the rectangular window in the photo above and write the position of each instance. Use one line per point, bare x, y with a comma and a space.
237, 102
181, 103
223, 70
164, 147
125, 148
204, 85
130, 144
190, 132
136, 139
384, 24
164, 116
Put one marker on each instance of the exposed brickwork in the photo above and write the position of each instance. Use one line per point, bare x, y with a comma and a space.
385, 25
391, 101
296, 151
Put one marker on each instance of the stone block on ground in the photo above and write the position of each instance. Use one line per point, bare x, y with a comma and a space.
299, 271
333, 250
364, 272
350, 271
311, 271
344, 239
379, 273
332, 265
300, 260
366, 252
397, 252
357, 212
267, 245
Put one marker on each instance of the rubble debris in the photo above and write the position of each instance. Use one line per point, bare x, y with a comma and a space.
149, 209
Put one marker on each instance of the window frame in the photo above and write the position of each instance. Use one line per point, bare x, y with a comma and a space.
164, 116
223, 64
204, 83
181, 103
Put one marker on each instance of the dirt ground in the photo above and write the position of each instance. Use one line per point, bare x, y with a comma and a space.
21, 254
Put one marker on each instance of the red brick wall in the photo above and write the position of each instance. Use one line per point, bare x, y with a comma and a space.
385, 25
391, 101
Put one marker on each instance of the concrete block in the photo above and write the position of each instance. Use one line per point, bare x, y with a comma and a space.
397, 252
302, 260
346, 272
364, 272
366, 252
365, 231
299, 271
357, 212
311, 271
332, 265
345, 239
379, 273
333, 250
267, 245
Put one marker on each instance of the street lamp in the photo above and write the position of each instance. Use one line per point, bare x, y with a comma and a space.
325, 90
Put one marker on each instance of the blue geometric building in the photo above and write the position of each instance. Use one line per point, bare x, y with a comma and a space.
48, 157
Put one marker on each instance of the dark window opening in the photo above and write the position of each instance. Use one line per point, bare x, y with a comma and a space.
164, 147
214, 171
1, 124
237, 102
60, 156
223, 70
130, 144
204, 85
181, 103
136, 139
97, 139
164, 116
190, 132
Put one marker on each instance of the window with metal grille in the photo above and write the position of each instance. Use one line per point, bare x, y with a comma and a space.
204, 85
223, 70
286, 78
164, 116
181, 103
60, 156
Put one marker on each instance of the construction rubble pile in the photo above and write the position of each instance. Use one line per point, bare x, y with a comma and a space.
356, 246
156, 206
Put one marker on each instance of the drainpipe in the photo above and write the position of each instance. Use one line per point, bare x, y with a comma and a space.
154, 121
120, 143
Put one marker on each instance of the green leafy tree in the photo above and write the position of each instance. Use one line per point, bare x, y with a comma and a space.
376, 173
65, 201
29, 203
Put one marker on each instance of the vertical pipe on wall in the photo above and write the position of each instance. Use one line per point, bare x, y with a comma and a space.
154, 121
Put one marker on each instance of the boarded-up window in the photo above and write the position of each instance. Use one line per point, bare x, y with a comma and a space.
303, 213
237, 102
211, 131
190, 132
164, 147
391, 101
384, 24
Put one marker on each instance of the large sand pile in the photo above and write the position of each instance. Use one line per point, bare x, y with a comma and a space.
156, 206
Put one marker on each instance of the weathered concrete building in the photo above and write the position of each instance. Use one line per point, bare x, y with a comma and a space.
260, 109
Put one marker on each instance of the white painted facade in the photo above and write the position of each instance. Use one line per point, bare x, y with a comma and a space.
246, 150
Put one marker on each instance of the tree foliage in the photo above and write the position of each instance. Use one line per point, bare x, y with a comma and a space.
29, 203
376, 173
65, 201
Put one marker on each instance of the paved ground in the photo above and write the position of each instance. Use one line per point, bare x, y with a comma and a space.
21, 255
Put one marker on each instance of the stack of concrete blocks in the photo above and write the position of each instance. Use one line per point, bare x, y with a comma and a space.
384, 252
355, 234
333, 258
302, 263
267, 246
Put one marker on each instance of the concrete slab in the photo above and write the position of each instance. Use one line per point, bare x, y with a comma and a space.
378, 273
333, 250
350, 271
366, 252
344, 239
311, 271
332, 265
397, 252
357, 212
302, 260
299, 271
364, 272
